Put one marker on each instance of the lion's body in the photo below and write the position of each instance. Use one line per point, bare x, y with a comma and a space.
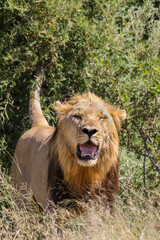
32, 159
79, 155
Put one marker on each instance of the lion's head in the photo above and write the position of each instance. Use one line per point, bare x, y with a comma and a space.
87, 138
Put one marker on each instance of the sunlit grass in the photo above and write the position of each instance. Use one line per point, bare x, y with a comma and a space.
136, 215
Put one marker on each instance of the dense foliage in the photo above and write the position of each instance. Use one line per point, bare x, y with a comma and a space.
111, 48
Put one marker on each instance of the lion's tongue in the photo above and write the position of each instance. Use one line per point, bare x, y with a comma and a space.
88, 148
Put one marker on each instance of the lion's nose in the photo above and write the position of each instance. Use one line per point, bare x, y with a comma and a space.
89, 132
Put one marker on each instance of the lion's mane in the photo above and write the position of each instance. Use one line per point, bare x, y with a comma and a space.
66, 178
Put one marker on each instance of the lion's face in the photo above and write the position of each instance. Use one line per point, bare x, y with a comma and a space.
87, 127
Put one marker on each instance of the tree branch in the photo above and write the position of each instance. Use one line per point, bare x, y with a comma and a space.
140, 130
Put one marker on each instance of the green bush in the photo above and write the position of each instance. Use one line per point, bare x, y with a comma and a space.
109, 47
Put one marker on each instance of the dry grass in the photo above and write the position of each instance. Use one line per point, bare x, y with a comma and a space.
135, 217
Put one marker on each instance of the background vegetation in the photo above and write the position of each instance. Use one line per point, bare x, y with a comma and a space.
110, 47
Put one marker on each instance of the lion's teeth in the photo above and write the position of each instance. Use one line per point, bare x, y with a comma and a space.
92, 154
83, 154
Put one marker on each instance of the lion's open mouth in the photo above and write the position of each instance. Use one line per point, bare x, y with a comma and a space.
87, 151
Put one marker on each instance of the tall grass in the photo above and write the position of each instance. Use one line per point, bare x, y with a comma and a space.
136, 215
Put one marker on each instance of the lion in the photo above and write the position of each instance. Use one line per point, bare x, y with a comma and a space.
78, 156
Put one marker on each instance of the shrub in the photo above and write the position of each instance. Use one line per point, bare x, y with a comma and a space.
109, 47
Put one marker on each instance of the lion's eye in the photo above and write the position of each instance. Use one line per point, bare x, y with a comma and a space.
102, 118
77, 117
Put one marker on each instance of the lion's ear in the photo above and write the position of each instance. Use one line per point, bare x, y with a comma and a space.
118, 115
121, 114
57, 106
62, 109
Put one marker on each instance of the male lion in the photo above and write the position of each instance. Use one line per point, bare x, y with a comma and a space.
78, 156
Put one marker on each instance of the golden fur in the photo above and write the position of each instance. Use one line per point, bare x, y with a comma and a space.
45, 154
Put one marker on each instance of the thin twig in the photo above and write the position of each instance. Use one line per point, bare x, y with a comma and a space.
146, 147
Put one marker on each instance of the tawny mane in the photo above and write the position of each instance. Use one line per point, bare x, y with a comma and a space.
78, 177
